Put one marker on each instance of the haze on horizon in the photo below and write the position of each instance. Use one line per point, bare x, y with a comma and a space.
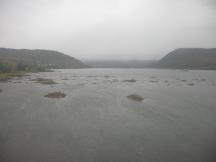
108, 29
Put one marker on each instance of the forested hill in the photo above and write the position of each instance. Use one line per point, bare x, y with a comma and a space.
189, 58
49, 58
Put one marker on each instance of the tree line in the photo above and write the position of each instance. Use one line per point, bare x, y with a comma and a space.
14, 66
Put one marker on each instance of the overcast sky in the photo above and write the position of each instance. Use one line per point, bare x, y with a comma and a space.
108, 29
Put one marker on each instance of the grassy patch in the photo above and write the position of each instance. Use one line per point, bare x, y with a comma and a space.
4, 77
135, 97
55, 95
18, 74
130, 80
47, 70
44, 81
7, 76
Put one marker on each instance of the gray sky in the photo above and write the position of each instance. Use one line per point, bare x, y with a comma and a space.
108, 29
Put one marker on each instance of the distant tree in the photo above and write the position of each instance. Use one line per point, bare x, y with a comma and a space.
8, 66
5, 67
21, 66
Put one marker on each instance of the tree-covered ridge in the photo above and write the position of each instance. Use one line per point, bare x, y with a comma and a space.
47, 58
189, 58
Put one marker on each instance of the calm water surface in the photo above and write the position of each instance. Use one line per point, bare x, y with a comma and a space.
96, 122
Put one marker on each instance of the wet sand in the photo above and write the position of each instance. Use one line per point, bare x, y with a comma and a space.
96, 122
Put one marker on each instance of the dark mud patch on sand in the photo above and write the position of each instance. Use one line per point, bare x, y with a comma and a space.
114, 80
17, 82
135, 97
184, 80
55, 95
1, 90
201, 80
154, 81
191, 84
65, 79
130, 80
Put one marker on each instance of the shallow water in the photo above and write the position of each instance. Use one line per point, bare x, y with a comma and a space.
96, 122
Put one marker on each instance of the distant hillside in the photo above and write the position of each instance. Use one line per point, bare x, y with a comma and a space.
53, 59
120, 63
189, 58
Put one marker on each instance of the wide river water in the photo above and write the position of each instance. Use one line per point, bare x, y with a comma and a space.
96, 122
